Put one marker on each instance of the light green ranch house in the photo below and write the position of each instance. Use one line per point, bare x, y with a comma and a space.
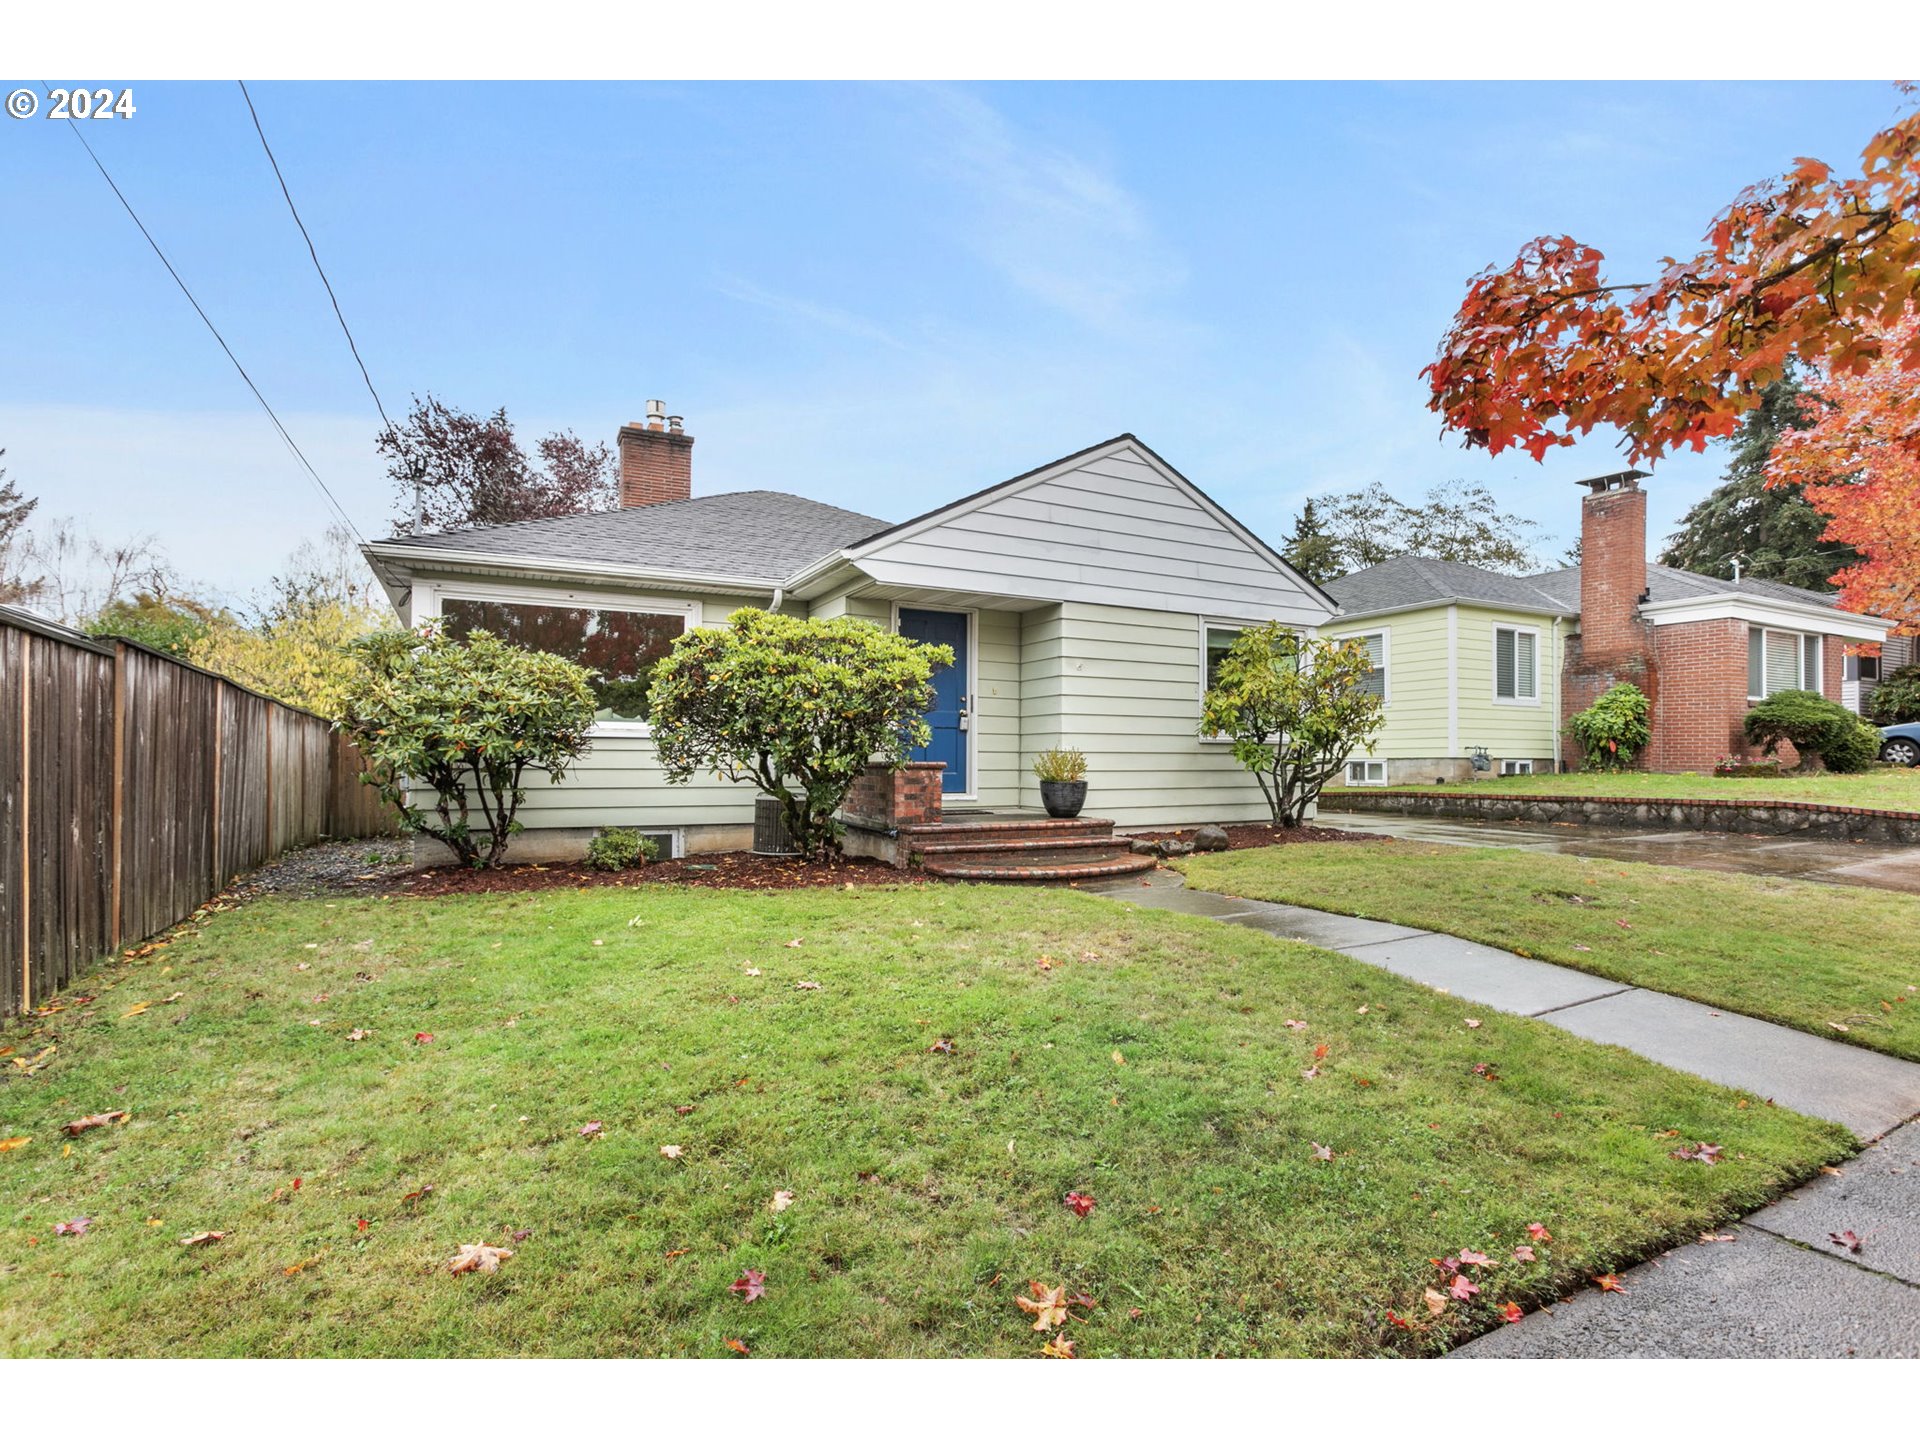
1081, 600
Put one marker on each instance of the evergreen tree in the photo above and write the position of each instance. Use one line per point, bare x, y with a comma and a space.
1310, 549
1773, 532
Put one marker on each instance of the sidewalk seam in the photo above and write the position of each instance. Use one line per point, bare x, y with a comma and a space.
1575, 1004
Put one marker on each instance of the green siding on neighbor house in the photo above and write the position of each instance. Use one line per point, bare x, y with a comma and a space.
1440, 684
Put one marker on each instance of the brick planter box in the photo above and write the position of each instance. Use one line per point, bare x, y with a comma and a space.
884, 802
1763, 817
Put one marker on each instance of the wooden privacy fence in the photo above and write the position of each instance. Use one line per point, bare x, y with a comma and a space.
134, 787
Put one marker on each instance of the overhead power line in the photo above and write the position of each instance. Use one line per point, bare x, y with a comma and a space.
338, 314
214, 330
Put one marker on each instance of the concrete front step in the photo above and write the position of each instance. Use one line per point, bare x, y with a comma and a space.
966, 831
1007, 865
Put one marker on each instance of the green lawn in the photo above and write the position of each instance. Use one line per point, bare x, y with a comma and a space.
1149, 1067
1816, 957
1885, 787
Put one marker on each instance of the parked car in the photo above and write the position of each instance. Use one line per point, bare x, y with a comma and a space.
1900, 744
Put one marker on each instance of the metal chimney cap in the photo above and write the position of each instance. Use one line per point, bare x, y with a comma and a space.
1619, 480
656, 409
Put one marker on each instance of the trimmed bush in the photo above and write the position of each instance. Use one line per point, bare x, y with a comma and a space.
618, 848
1896, 699
1820, 730
1614, 728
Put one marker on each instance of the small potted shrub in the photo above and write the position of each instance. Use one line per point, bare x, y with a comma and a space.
1063, 781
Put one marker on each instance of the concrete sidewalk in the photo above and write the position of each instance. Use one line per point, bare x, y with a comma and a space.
1780, 1286
1868, 1092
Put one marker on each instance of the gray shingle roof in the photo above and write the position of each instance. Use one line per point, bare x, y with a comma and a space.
763, 535
1409, 580
1666, 583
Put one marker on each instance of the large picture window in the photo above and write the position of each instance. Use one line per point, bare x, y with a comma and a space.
622, 645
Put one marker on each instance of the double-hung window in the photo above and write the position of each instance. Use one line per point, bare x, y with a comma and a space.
1781, 660
1376, 681
1516, 665
620, 640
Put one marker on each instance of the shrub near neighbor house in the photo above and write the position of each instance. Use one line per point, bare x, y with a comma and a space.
1896, 699
1614, 728
467, 718
796, 708
1817, 728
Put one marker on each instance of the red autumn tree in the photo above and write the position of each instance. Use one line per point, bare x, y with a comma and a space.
1857, 464
1804, 265
452, 469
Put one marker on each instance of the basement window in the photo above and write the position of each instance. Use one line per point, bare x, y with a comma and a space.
1366, 772
1516, 767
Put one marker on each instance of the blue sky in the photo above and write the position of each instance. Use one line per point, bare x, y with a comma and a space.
880, 296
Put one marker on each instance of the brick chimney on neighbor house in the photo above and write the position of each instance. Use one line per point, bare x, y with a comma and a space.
1613, 567
656, 459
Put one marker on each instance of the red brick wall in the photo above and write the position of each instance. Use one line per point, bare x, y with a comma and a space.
1702, 698
897, 798
656, 464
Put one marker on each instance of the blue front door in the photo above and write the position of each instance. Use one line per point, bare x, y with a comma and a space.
948, 717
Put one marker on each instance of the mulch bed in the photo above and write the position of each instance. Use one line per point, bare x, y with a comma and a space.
1252, 837
733, 870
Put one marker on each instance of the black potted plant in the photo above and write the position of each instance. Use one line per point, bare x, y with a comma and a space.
1063, 781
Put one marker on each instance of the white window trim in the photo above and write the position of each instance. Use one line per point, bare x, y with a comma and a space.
1363, 764
427, 597
1512, 767
1385, 632
1800, 638
1200, 688
1493, 681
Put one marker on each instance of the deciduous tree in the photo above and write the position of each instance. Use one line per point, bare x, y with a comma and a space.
1295, 707
1809, 265
1856, 466
1452, 522
452, 468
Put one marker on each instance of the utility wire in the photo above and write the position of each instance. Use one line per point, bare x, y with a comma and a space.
132, 214
295, 211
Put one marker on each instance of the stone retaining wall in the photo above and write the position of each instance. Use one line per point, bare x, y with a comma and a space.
1807, 819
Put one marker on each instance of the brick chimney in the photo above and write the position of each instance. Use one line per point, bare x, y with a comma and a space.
656, 459
1613, 567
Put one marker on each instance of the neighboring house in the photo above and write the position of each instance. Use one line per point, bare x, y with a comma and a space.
1860, 675
1471, 659
1083, 601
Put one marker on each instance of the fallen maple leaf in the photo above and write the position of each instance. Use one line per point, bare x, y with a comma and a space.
1059, 1348
359, 1034
941, 1046
1118, 1058
1705, 1154
1048, 1307
672, 1152
739, 1347
1312, 1072
1511, 1313
93, 1122
1319, 1052
1436, 1302
1846, 1240
1474, 1257
753, 969
423, 1037
1400, 1320
1524, 1254
1081, 1205
14, 1142
1295, 1024
591, 1129
781, 1200
793, 944
751, 1286
76, 1226
1321, 1152
1539, 1232
1473, 1024
1462, 1288
205, 1237
806, 984
484, 1259
1364, 1009
1610, 1283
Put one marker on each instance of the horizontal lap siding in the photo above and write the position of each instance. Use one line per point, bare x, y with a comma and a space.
1137, 722
1508, 731
1003, 777
1417, 669
1113, 528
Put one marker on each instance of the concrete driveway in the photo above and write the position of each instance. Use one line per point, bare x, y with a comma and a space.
1835, 862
